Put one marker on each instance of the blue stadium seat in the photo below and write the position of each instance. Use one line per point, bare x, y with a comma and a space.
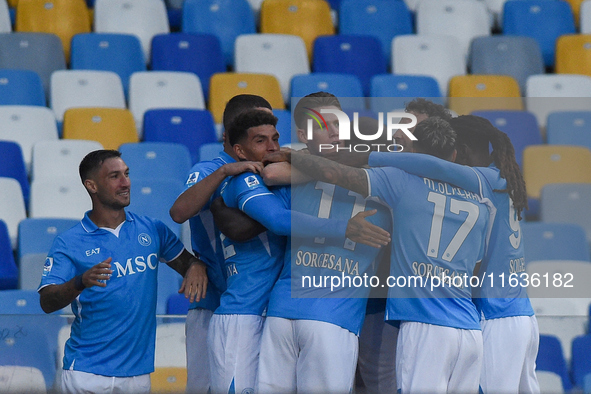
358, 55
388, 91
518, 57
120, 53
521, 127
154, 197
35, 238
177, 304
569, 128
190, 127
346, 87
542, 20
39, 52
284, 126
12, 165
210, 151
554, 241
197, 53
567, 203
20, 302
8, 269
226, 19
551, 358
31, 341
382, 19
169, 283
157, 160
21, 87
581, 359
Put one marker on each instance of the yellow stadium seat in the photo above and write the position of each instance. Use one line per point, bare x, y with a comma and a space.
469, 93
544, 164
305, 18
109, 126
573, 54
224, 86
575, 5
169, 380
65, 18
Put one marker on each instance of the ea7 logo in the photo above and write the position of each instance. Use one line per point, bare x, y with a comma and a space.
90, 252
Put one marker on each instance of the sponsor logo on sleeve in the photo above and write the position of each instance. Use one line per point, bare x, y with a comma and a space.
193, 178
251, 181
47, 266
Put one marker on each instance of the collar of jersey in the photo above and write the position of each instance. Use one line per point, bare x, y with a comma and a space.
226, 158
90, 227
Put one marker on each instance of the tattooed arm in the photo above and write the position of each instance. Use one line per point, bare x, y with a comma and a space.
325, 170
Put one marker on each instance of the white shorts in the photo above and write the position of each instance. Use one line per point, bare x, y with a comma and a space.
306, 356
510, 351
234, 345
437, 359
377, 354
197, 357
77, 382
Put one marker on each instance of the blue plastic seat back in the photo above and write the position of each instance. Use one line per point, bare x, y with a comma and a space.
569, 128
120, 53
226, 19
346, 87
388, 91
554, 241
197, 53
12, 165
162, 160
21, 87
382, 19
361, 56
542, 20
8, 268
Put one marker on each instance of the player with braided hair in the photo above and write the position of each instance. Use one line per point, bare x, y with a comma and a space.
475, 134
508, 320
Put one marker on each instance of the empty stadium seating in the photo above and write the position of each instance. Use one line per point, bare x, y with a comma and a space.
225, 19
164, 160
119, 53
342, 54
163, 89
308, 19
200, 54
21, 87
190, 127
437, 56
224, 86
281, 55
144, 18
64, 18
111, 127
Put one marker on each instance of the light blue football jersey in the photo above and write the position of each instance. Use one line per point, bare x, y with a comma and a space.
114, 331
205, 238
504, 255
253, 266
438, 231
319, 257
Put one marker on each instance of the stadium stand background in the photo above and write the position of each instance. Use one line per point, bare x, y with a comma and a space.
151, 77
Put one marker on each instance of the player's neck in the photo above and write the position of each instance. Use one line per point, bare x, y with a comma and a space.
104, 217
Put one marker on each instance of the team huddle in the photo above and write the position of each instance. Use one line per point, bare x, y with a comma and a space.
261, 232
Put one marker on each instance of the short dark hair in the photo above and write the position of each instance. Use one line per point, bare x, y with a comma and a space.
241, 103
435, 137
429, 108
94, 160
313, 100
255, 117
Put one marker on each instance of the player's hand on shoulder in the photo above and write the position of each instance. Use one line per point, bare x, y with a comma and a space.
194, 284
231, 169
361, 231
98, 275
